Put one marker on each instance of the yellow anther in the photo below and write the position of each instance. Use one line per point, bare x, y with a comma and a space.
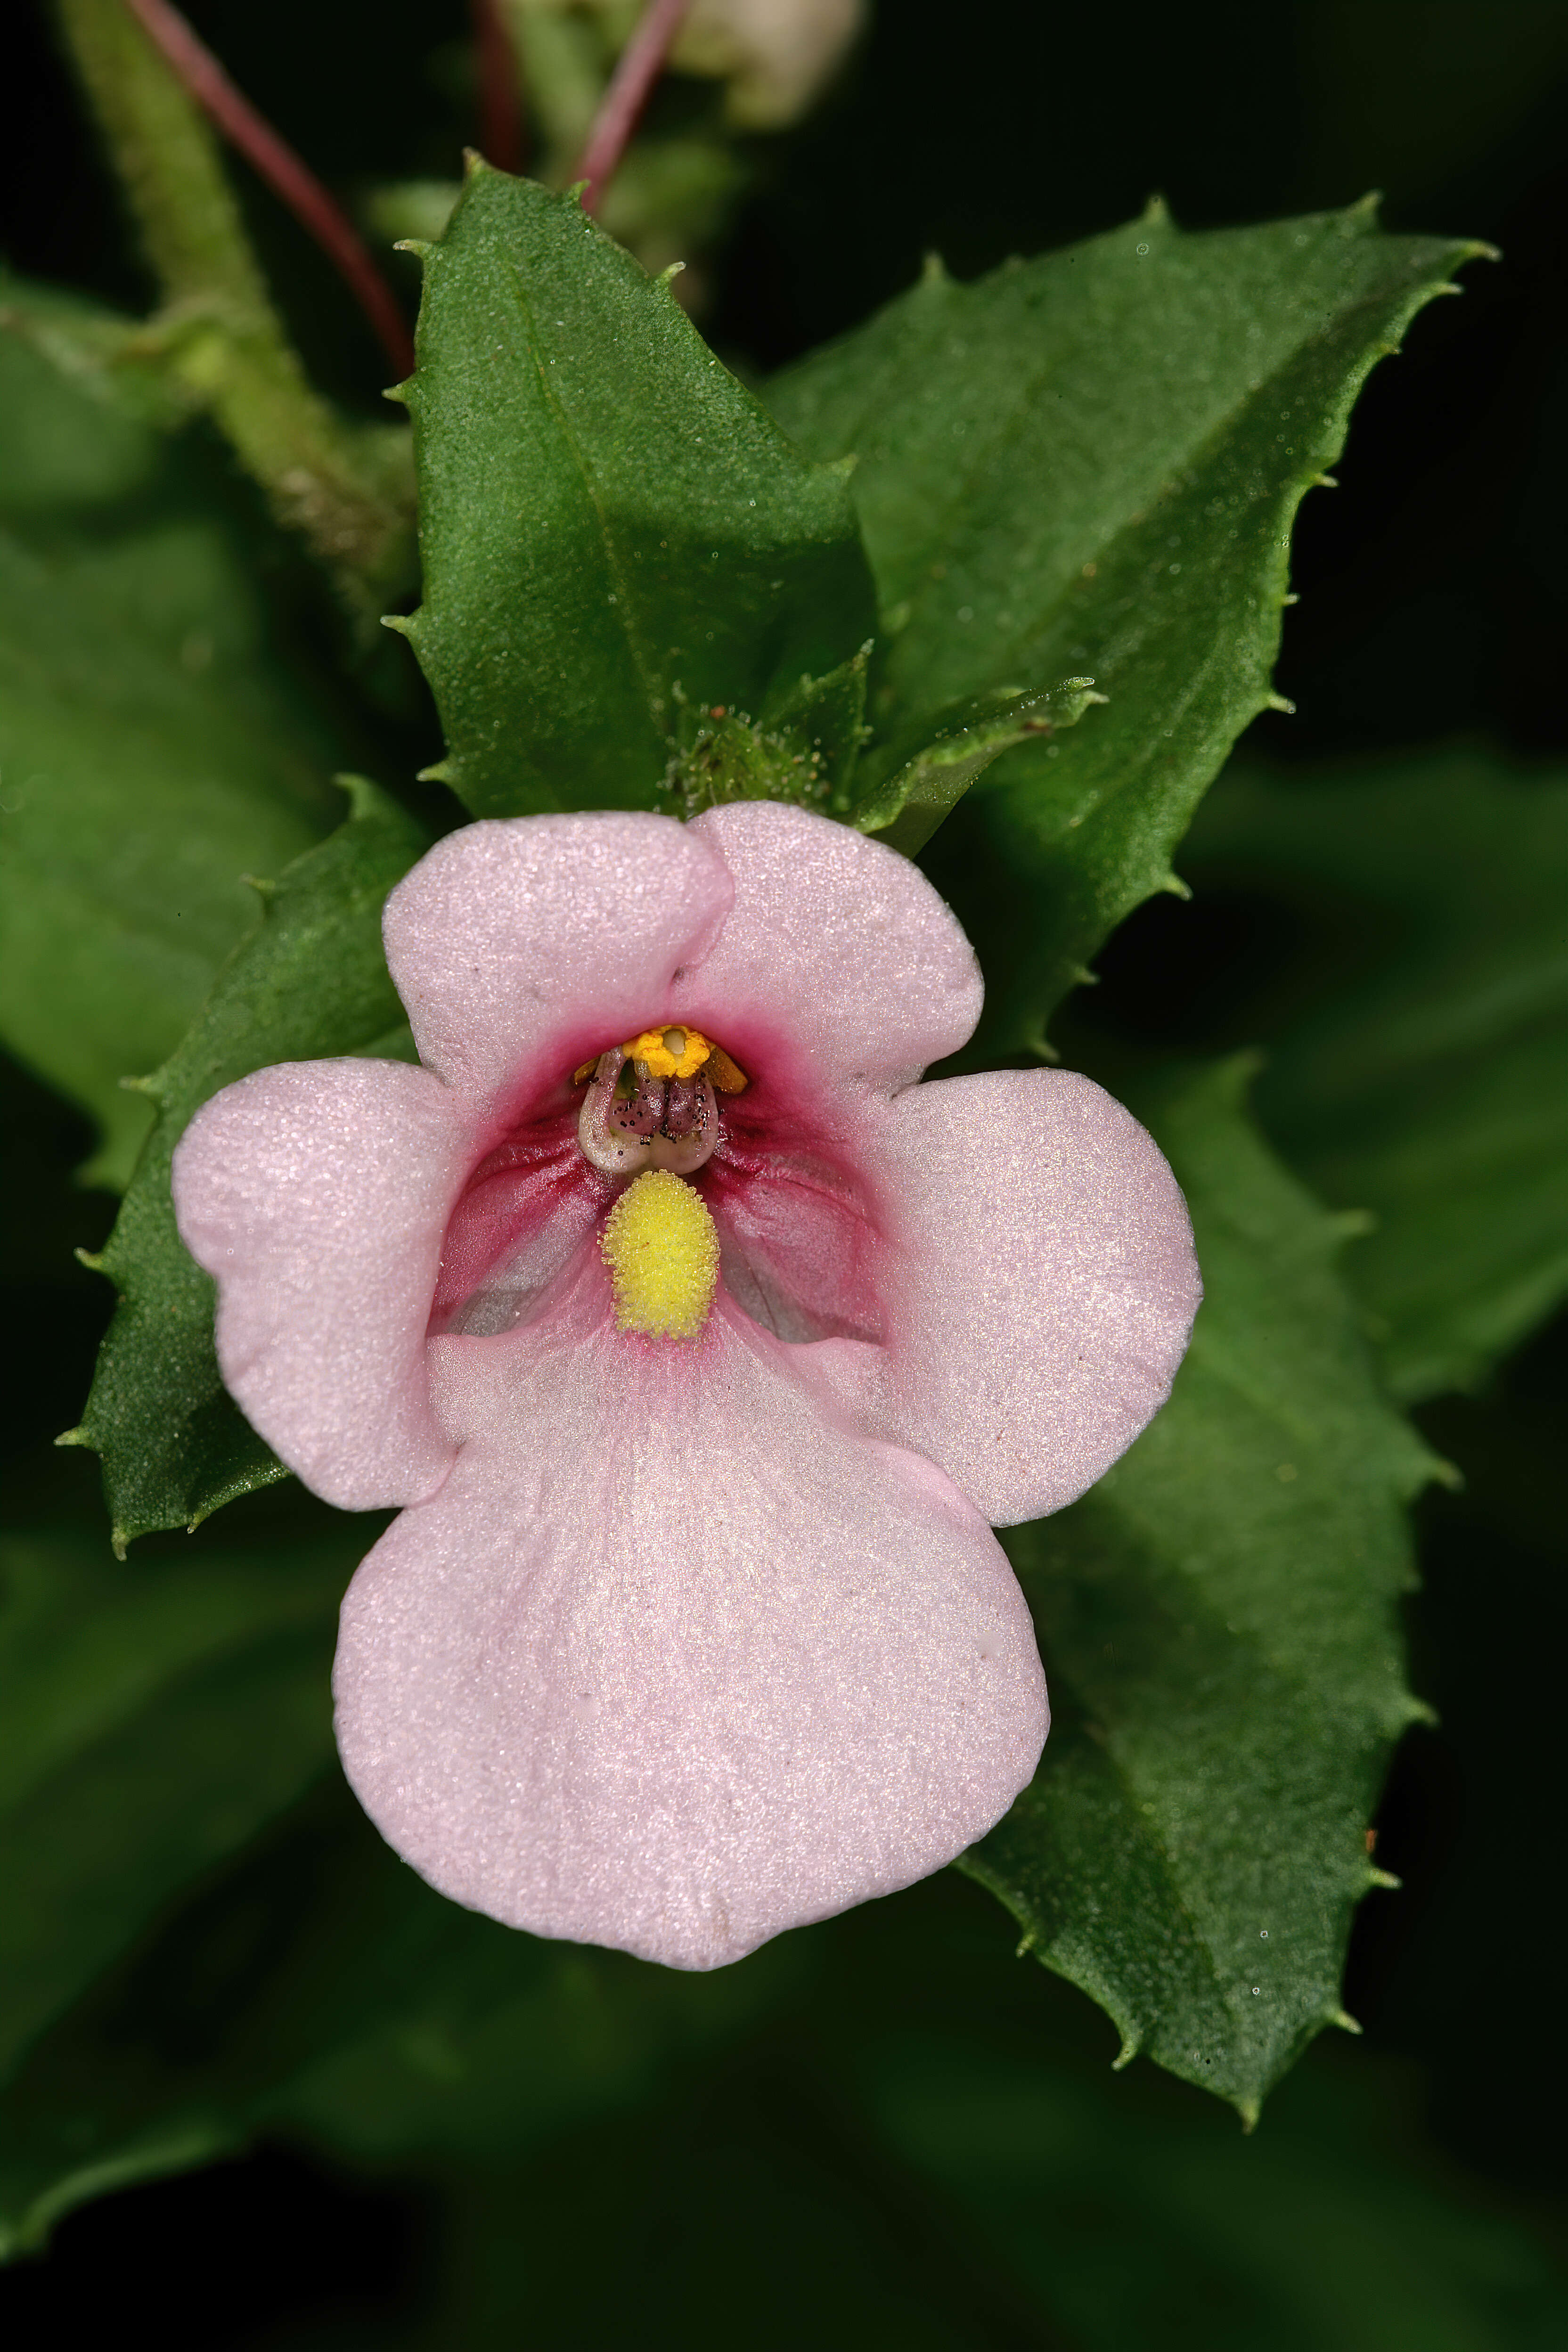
670, 1052
662, 1250
726, 1076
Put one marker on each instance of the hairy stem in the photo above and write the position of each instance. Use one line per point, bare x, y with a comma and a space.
347, 489
289, 178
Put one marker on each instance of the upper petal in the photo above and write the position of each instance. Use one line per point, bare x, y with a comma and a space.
1037, 1283
316, 1194
837, 941
677, 1659
523, 937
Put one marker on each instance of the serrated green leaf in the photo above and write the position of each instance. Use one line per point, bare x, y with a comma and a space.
152, 748
606, 516
906, 809
154, 1719
1417, 1031
1091, 463
310, 981
1219, 1628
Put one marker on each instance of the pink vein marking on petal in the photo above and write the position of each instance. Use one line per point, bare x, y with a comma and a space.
521, 1217
797, 1248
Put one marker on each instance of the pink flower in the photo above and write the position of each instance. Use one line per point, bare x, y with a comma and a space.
692, 1628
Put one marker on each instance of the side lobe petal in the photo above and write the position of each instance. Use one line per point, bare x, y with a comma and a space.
1037, 1283
676, 1659
316, 1195
837, 941
522, 945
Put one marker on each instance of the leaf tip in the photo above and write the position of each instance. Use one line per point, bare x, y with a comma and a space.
475, 166
263, 885
1385, 1879
1344, 2020
1128, 2052
1250, 2109
400, 394
1279, 702
1026, 1945
933, 270
93, 1261
445, 771
364, 798
1156, 214
667, 275
1173, 887
400, 623
119, 1541
78, 1435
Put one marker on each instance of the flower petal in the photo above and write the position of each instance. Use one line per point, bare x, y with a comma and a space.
552, 936
677, 1659
1037, 1287
316, 1194
838, 942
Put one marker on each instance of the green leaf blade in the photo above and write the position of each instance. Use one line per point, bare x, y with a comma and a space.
905, 809
1417, 1031
1091, 463
152, 748
606, 517
310, 980
1218, 1621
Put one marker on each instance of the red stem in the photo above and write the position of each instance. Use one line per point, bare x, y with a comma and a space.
283, 172
637, 68
500, 109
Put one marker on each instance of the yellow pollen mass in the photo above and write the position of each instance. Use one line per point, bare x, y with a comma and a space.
662, 1250
673, 1053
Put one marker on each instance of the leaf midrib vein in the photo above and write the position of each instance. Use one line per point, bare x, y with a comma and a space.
647, 669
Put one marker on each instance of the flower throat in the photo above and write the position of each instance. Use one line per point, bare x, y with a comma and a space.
651, 1113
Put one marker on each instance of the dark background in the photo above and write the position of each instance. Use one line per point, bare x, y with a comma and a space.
1432, 606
